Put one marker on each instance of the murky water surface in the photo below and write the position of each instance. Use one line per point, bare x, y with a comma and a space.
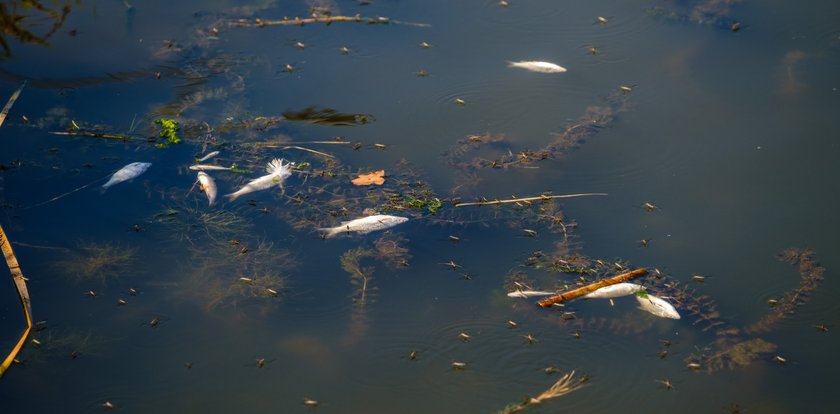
710, 125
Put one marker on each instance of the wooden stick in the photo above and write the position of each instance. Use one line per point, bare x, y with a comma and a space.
516, 200
297, 21
99, 135
11, 102
572, 294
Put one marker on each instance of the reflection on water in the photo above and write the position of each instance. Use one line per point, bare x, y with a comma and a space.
156, 302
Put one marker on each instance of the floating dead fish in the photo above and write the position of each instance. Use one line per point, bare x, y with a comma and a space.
208, 185
537, 66
657, 306
208, 156
277, 173
364, 225
614, 291
129, 172
203, 167
528, 293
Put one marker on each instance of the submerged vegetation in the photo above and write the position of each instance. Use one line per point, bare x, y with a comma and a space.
97, 261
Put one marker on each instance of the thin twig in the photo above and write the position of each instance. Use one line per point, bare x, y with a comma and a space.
297, 21
307, 149
517, 200
100, 135
11, 102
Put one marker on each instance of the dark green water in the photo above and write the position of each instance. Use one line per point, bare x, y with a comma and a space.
731, 134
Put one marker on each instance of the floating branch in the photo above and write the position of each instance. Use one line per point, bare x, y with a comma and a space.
23, 294
101, 135
563, 386
519, 200
297, 21
572, 294
11, 102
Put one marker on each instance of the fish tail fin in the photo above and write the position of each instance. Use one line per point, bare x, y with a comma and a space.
231, 196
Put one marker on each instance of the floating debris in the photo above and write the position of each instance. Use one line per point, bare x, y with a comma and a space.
537, 66
203, 167
126, 173
375, 178
565, 385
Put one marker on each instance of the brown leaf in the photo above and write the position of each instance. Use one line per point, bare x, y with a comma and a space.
376, 177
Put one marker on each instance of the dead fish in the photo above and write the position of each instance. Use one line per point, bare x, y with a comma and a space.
203, 167
364, 225
208, 185
537, 66
207, 157
129, 172
277, 173
657, 306
614, 291
528, 293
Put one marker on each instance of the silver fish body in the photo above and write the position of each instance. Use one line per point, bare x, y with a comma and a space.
208, 185
364, 225
277, 174
128, 172
537, 66
614, 291
208, 156
204, 167
657, 306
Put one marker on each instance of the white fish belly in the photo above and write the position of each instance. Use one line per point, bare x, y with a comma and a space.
614, 291
658, 307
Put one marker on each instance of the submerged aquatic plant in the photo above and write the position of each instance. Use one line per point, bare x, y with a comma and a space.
91, 261
188, 222
236, 274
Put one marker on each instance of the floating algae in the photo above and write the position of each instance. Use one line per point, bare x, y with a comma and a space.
97, 261
194, 223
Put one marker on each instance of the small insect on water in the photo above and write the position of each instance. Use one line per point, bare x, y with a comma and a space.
260, 362
310, 402
121, 302
649, 206
413, 356
459, 366
425, 45
821, 328
452, 265
108, 406
779, 360
511, 324
91, 293
601, 20
666, 384
345, 50
464, 337
132, 291
698, 278
459, 101
530, 339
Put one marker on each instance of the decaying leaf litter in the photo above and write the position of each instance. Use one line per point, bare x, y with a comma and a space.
321, 194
